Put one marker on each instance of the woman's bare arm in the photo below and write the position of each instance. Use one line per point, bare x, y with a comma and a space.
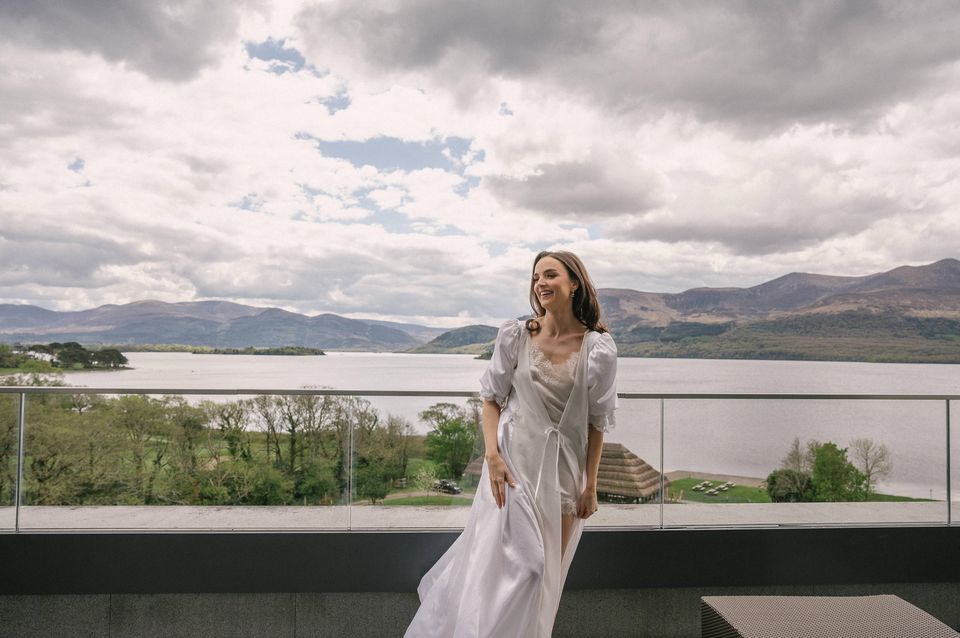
496, 467
588, 500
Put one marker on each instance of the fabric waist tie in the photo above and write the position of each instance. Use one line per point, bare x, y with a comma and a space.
552, 429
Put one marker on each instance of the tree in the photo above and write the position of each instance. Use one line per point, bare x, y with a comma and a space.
38, 367
186, 458
873, 460
792, 482
425, 480
372, 481
834, 477
73, 355
267, 418
232, 420
84, 402
450, 442
800, 459
9, 358
9, 406
789, 486
147, 436
108, 358
380, 453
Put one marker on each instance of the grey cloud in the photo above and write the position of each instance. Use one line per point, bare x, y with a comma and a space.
509, 37
63, 253
61, 257
168, 40
757, 65
36, 107
281, 277
789, 229
569, 188
400, 280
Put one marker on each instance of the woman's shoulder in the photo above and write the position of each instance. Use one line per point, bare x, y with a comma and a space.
602, 340
512, 324
601, 347
510, 329
509, 335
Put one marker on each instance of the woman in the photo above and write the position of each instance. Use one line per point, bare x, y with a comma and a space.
548, 395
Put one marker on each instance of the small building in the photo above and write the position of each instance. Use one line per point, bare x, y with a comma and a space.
623, 477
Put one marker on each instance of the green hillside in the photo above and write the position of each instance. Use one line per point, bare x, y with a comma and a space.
473, 339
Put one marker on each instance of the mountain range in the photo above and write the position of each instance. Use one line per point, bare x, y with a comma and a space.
910, 313
931, 290
220, 324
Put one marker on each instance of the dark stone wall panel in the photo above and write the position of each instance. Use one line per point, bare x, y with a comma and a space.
89, 563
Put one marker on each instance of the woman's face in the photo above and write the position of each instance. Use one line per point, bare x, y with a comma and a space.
551, 283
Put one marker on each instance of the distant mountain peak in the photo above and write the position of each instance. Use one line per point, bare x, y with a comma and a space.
930, 290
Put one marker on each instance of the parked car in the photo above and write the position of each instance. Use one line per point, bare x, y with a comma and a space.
447, 486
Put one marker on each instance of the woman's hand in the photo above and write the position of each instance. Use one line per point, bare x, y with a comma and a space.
499, 477
587, 503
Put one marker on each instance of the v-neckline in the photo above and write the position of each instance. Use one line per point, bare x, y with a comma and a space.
566, 359
576, 375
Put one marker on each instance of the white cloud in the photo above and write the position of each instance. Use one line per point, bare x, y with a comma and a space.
722, 144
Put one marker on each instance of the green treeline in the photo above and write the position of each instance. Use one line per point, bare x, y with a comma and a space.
296, 351
69, 355
84, 449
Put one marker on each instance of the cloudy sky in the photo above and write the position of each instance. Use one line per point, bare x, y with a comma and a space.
407, 159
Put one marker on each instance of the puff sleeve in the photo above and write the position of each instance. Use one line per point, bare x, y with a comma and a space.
602, 383
497, 380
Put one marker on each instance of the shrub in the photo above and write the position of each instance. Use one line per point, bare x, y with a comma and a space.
789, 486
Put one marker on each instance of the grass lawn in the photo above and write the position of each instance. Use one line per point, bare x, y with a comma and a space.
744, 494
874, 497
737, 494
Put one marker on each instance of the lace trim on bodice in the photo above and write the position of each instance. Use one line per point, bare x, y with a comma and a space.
556, 375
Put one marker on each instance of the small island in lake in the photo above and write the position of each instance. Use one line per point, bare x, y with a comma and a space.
293, 351
43, 358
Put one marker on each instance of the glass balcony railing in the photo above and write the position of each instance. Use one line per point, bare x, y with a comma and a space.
9, 462
318, 459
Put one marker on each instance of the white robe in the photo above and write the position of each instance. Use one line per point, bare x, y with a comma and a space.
504, 574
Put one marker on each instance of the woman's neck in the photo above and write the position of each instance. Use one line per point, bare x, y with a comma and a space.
561, 323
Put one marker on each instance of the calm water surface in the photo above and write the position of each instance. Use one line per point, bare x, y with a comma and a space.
745, 438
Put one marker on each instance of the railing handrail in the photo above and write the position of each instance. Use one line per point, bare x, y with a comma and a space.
465, 393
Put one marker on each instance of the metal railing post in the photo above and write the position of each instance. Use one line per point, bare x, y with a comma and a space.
350, 454
18, 486
661, 463
949, 478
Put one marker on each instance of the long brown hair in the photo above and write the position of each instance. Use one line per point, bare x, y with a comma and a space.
586, 307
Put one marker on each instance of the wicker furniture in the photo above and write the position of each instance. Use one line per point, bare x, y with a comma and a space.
817, 617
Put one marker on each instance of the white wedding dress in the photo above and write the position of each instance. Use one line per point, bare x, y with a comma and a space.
504, 574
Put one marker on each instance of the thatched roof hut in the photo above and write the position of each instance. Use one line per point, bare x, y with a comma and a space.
623, 476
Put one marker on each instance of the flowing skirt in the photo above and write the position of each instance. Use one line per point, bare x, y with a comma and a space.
496, 579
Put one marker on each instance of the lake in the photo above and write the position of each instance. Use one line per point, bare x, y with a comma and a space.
744, 438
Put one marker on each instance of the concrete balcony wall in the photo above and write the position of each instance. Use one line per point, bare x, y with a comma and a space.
622, 583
